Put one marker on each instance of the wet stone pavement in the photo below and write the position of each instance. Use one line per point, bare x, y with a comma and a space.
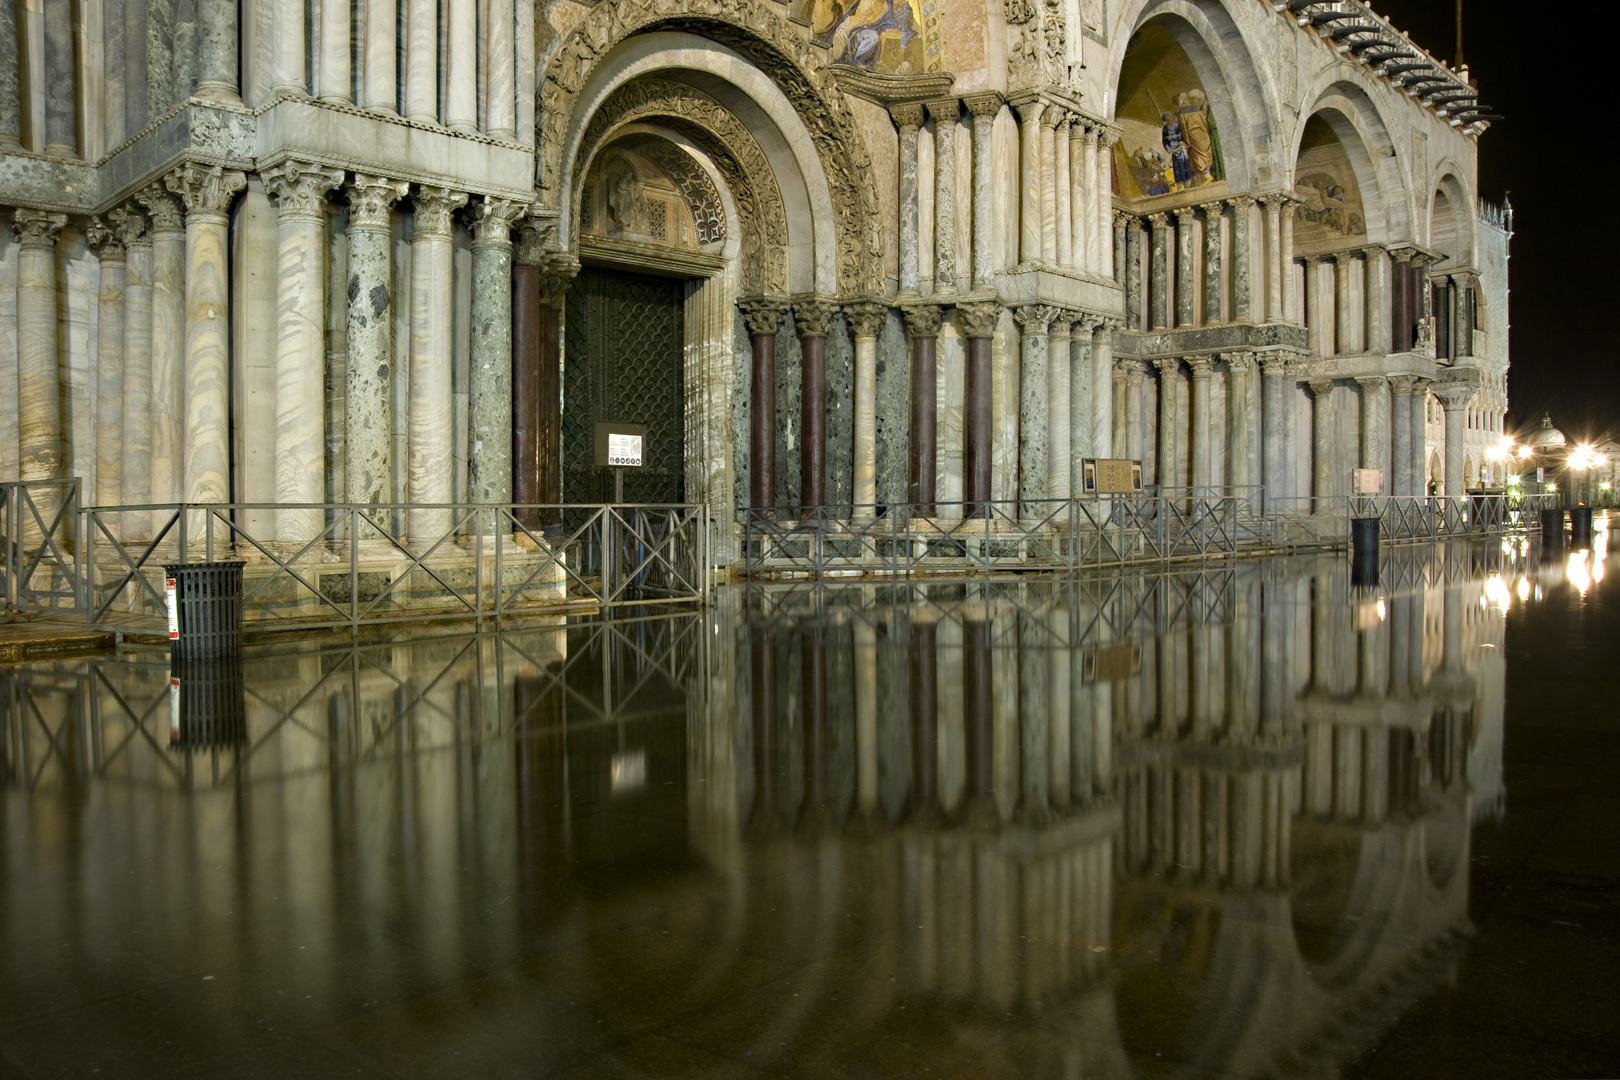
1245, 821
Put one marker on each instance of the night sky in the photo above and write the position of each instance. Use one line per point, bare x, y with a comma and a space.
1538, 65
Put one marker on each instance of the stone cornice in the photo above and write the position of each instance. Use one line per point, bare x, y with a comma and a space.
655, 259
891, 90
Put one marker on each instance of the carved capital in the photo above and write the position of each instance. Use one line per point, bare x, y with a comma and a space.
1371, 382
1135, 371
980, 318
812, 317
131, 226
162, 208
1274, 365
1123, 219
763, 314
907, 117
1030, 112
948, 111
983, 105
434, 205
1201, 367
1169, 367
493, 219
1212, 210
536, 232
1404, 385
1454, 396
207, 189
1062, 324
1057, 118
1106, 138
1320, 388
1159, 220
866, 318
371, 198
1086, 324
556, 272
1035, 318
1185, 215
300, 187
923, 320
105, 240
37, 228
1241, 202
1240, 362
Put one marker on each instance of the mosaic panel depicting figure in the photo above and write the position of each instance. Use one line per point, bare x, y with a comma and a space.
890, 37
1330, 200
646, 190
1169, 142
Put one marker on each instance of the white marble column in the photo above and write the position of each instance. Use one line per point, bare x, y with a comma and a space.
333, 80
1135, 377
379, 87
1062, 191
1274, 429
1375, 436
489, 458
1102, 402
945, 113
136, 467
1084, 390
1455, 400
1401, 435
422, 60
461, 62
1202, 474
1059, 422
218, 72
984, 108
865, 320
432, 459
287, 37
207, 191
909, 118
1029, 185
1379, 325
367, 407
1343, 335
500, 68
39, 411
1276, 268
109, 365
1033, 387
1240, 420
1315, 342
1285, 245
299, 190
1048, 133
1083, 182
1169, 459
1322, 478
1419, 423
1103, 252
168, 338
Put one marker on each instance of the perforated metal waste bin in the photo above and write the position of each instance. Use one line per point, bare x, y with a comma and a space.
1552, 528
1580, 526
205, 609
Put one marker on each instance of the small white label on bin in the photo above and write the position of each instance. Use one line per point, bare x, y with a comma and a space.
174, 709
174, 609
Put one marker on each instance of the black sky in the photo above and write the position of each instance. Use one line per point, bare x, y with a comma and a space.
1538, 64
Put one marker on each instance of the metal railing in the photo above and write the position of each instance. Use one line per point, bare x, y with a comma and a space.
479, 560
40, 568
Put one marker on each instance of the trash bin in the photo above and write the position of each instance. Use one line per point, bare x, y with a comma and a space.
205, 609
1552, 528
1364, 551
1580, 526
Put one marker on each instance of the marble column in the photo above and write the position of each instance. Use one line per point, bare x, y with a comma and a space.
421, 68
1120, 222
1401, 436
379, 85
10, 81
1242, 215
333, 81
1276, 279
1212, 264
1323, 482
1135, 375
946, 114
1202, 473
498, 20
1419, 424
299, 190
1103, 442
764, 319
528, 350
368, 424
1240, 420
1084, 391
136, 467
1105, 202
1120, 443
1050, 121
922, 324
1375, 440
1033, 387
1464, 285
461, 65
1455, 400
908, 118
1135, 308
812, 319
979, 321
1062, 190
984, 108
1274, 429
1343, 308
489, 384
1059, 406
1169, 421
431, 461
61, 135
287, 40
168, 338
865, 320
109, 364
217, 76
1082, 195
1285, 246
39, 415
1314, 342
558, 272
1159, 275
1030, 172
1186, 287
1379, 338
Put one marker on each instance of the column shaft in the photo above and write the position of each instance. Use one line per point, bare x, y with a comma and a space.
978, 322
1159, 276
422, 61
333, 79
61, 135
217, 50
945, 115
1286, 251
1456, 430
812, 319
764, 317
379, 89
1420, 438
923, 322
500, 66
461, 61
10, 69
1212, 263
1186, 287
1082, 212
1322, 478
1033, 388
1049, 189
1135, 309
1030, 172
1135, 376
1202, 473
1239, 420
1169, 422
1314, 341
1102, 402
1242, 213
286, 27
984, 110
1276, 282
1273, 436
1083, 394
1104, 257
109, 368
909, 119
1059, 421
1401, 436
865, 320
1344, 331
1378, 302
137, 465
168, 338
431, 465
39, 415
489, 458
1063, 192
368, 441
527, 407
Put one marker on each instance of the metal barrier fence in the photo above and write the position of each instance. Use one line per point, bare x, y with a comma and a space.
477, 561
40, 567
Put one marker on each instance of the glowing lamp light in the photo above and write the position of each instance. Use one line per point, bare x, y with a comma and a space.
1524, 451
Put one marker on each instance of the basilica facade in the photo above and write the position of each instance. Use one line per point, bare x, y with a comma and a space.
919, 253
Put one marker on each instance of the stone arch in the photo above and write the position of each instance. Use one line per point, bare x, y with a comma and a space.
728, 144
1244, 103
760, 36
1347, 101
1451, 217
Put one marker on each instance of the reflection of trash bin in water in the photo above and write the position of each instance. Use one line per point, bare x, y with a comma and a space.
205, 609
207, 703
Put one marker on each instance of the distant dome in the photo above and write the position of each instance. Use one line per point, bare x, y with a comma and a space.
1547, 435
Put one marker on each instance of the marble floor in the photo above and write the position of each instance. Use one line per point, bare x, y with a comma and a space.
1250, 820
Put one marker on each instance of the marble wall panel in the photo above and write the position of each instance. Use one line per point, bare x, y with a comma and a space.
882, 141
840, 412
253, 357
893, 409
789, 356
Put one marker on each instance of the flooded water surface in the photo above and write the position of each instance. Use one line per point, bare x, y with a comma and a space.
1246, 820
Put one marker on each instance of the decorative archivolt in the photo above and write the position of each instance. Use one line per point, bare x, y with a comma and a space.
732, 148
761, 34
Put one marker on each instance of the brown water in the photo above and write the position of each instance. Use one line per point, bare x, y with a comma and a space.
1245, 821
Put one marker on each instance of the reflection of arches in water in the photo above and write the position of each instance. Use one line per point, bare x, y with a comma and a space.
1323, 865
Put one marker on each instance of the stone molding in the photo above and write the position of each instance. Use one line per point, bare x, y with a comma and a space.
434, 207
492, 220
205, 190
37, 229
923, 320
866, 318
812, 316
299, 187
372, 199
763, 314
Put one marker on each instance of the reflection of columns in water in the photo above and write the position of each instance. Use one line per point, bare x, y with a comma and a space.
762, 697
978, 717
813, 696
1033, 720
924, 707
866, 721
